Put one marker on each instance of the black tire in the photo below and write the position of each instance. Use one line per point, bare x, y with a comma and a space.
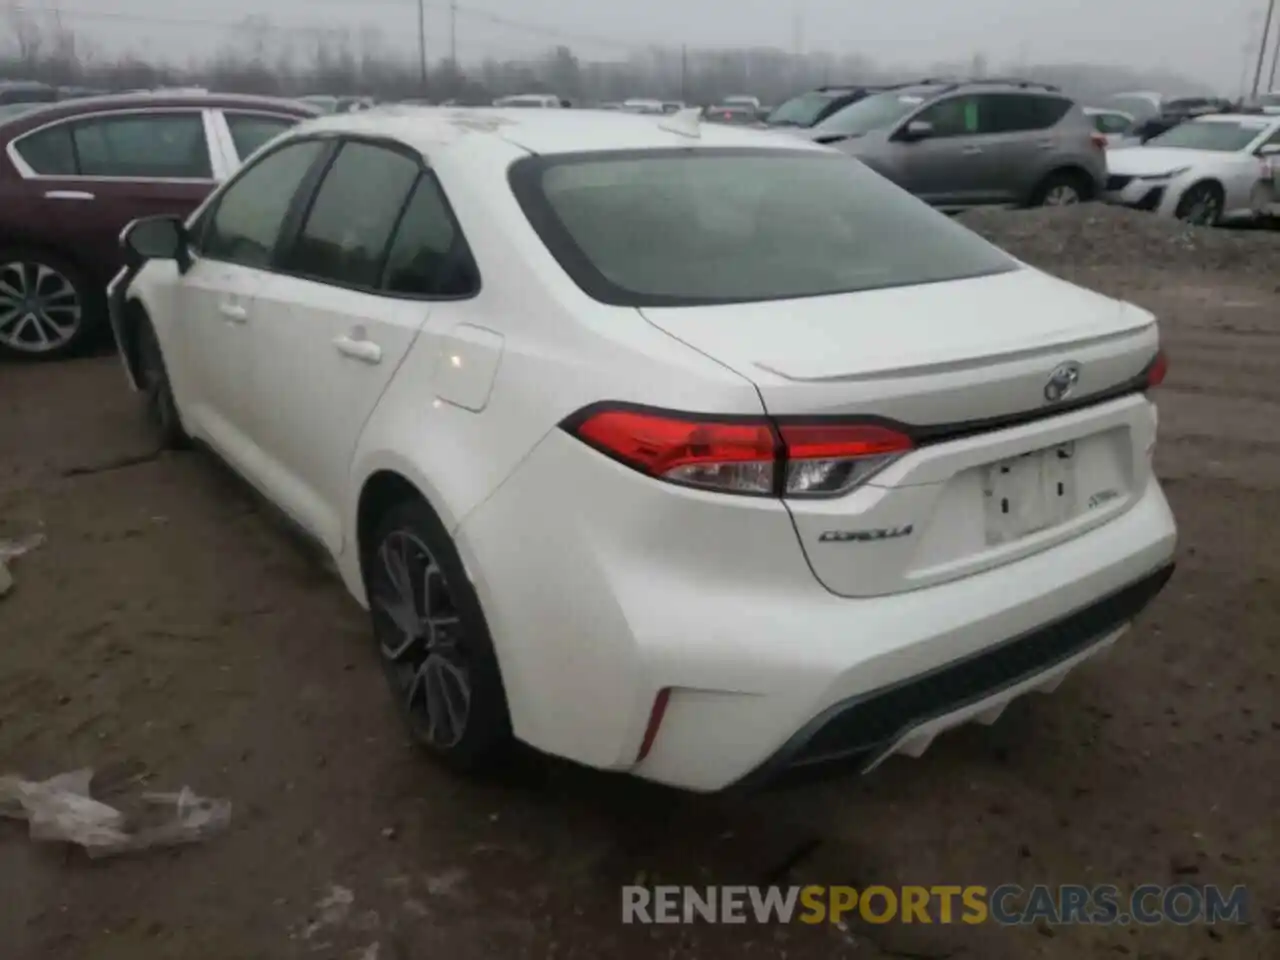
411, 529
25, 267
153, 379
1058, 182
1201, 204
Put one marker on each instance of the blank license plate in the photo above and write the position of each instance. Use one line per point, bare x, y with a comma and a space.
1029, 493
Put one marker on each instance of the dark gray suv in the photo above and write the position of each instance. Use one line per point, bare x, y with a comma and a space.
959, 144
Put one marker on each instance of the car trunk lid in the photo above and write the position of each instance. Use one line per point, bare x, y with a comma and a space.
964, 368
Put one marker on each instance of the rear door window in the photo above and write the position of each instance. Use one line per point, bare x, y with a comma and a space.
145, 146
251, 131
345, 237
49, 152
429, 255
1020, 112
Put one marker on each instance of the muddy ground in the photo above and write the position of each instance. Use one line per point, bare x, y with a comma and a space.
169, 629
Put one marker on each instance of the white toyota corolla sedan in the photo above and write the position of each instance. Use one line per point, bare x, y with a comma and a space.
1216, 169
693, 452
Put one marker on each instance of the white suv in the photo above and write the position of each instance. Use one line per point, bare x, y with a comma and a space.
642, 461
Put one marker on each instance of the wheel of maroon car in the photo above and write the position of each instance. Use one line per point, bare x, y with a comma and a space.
48, 307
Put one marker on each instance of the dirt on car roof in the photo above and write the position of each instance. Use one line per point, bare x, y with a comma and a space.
168, 632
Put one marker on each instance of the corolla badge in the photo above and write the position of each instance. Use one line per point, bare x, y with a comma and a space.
1062, 382
865, 536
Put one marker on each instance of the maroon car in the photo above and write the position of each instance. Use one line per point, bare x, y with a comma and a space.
73, 174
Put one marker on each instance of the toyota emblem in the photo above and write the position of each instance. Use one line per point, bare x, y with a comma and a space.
1062, 382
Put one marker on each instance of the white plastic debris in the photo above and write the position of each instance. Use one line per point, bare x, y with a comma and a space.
62, 809
17, 546
11, 549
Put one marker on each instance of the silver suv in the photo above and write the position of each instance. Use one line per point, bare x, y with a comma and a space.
959, 144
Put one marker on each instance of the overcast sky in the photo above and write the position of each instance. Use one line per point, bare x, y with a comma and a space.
1201, 38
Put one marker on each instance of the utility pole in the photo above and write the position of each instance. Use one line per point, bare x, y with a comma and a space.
1262, 47
1275, 55
422, 43
453, 34
684, 74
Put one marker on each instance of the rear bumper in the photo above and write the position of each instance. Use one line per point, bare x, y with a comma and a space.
857, 733
617, 587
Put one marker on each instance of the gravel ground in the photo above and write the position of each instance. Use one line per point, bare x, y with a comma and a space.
168, 629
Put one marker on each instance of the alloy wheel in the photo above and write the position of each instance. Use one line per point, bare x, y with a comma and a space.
40, 310
1203, 208
420, 634
1061, 195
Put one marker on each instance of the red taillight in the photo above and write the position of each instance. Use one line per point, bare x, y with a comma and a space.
722, 455
1099, 141
746, 455
1158, 370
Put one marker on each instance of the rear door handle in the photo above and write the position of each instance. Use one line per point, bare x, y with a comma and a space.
971, 151
366, 351
68, 195
233, 312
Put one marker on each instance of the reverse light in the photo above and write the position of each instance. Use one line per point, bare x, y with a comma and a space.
744, 455
825, 459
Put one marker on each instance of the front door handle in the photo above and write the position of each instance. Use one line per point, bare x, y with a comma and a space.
971, 151
68, 195
366, 351
233, 312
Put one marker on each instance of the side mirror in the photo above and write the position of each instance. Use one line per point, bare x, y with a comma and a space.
917, 130
156, 238
1269, 150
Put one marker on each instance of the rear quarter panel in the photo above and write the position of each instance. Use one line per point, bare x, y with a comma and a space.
560, 352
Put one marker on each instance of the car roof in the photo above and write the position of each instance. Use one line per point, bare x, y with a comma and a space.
541, 132
79, 106
1258, 119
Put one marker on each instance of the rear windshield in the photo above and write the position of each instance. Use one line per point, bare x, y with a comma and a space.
1223, 135
704, 226
876, 112
804, 110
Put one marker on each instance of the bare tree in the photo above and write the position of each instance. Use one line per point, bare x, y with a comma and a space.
257, 57
27, 36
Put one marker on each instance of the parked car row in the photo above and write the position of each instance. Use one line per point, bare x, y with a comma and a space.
992, 141
74, 173
960, 143
31, 91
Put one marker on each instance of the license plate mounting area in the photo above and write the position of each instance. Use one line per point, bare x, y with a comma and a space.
1029, 493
